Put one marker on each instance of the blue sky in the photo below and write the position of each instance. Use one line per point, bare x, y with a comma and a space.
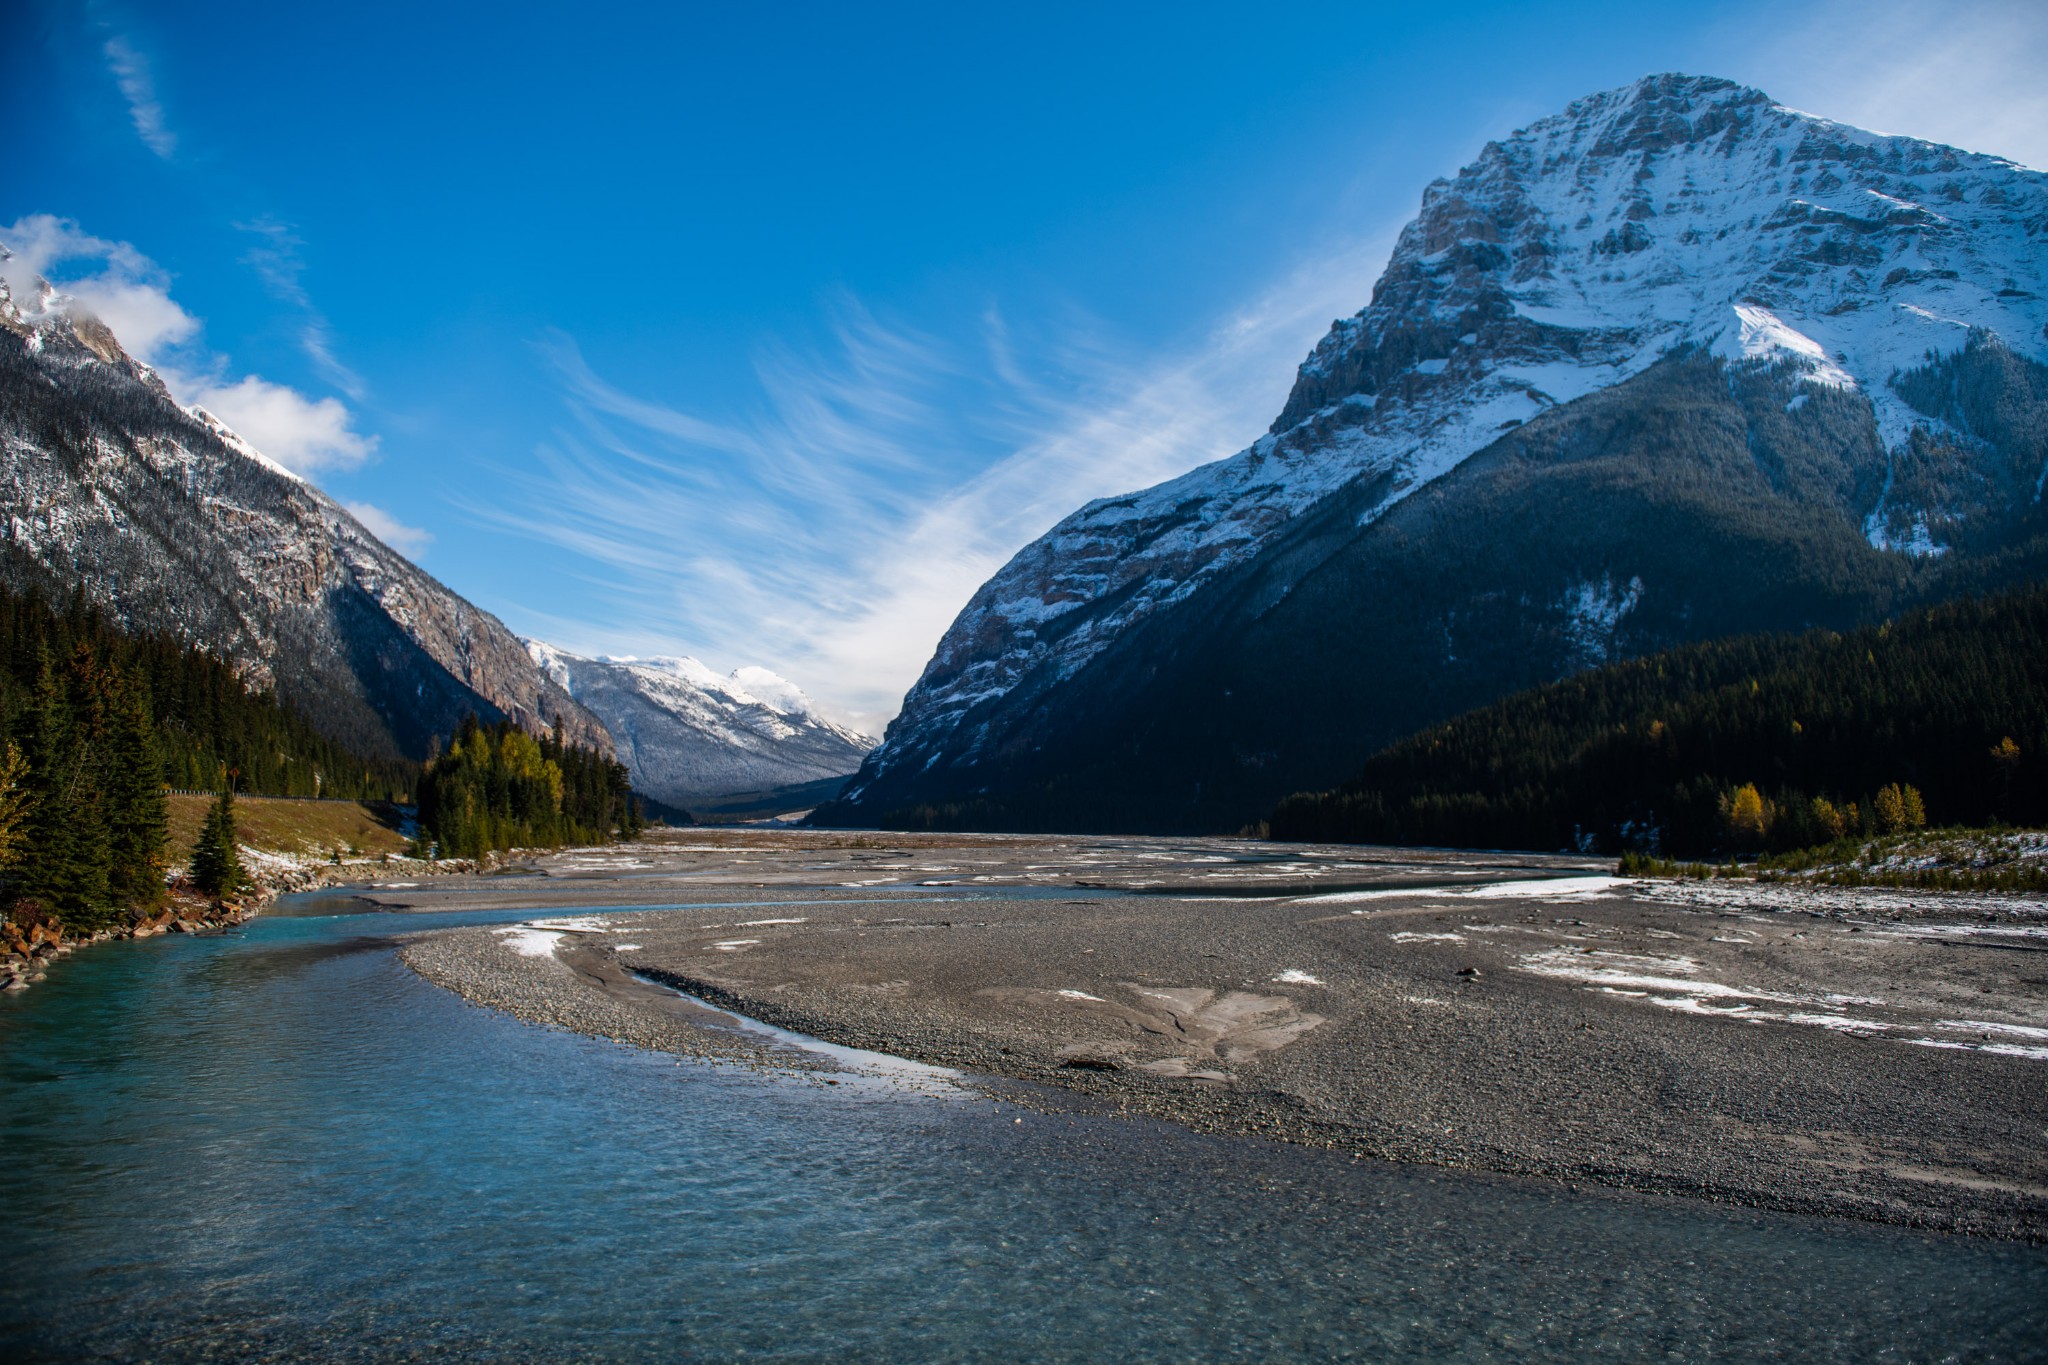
765, 333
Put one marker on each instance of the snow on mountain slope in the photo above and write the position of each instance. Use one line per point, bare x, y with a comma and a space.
690, 735
168, 520
1676, 212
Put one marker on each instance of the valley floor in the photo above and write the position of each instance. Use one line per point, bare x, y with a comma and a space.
1870, 1054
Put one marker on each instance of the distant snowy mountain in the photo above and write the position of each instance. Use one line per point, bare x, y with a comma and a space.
1676, 362
169, 521
692, 737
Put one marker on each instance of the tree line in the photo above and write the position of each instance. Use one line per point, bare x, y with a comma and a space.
1751, 744
98, 723
206, 719
84, 811
499, 787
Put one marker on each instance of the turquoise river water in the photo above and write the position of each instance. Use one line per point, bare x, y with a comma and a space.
279, 1143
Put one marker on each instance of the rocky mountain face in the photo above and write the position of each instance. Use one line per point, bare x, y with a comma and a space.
169, 521
1676, 362
699, 740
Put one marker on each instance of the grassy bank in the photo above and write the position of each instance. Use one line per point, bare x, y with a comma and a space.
1997, 860
293, 826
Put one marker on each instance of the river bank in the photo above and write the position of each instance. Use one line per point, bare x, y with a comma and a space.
29, 950
1861, 1054
281, 1143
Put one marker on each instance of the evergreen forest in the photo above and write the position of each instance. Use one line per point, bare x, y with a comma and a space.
205, 719
1752, 744
97, 724
498, 787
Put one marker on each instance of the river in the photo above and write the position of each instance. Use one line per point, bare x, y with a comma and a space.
279, 1142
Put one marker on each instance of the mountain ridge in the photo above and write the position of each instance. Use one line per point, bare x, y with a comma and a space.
167, 520
1679, 217
693, 737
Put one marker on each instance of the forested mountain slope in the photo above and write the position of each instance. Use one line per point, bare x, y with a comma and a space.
205, 721
1647, 753
170, 522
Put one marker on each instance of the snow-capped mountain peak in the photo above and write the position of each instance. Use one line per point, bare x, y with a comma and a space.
169, 520
749, 685
690, 734
1676, 214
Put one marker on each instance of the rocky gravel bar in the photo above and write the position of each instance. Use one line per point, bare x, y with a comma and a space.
1866, 1054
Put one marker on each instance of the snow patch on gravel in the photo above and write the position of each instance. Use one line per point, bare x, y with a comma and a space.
1673, 983
1534, 888
530, 942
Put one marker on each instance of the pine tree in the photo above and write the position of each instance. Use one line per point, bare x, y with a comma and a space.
138, 816
67, 871
16, 806
89, 686
216, 861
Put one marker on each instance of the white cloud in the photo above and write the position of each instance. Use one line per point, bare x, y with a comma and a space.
409, 541
836, 534
1967, 73
131, 294
138, 87
127, 292
302, 434
143, 316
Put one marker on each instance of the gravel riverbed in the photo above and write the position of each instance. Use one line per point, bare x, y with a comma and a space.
1878, 1056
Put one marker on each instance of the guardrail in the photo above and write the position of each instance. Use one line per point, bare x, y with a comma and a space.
269, 796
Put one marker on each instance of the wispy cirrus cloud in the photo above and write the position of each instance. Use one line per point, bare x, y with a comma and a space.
835, 532
138, 86
131, 294
278, 263
1967, 72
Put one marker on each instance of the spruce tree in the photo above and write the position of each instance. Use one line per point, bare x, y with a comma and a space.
138, 816
89, 686
216, 861
17, 804
65, 863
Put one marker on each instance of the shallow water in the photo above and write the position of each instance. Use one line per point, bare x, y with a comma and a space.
281, 1143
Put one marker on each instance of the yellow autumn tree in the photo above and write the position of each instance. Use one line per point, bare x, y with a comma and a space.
1746, 814
1830, 817
1898, 812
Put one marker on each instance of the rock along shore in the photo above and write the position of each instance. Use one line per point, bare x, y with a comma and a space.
28, 950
